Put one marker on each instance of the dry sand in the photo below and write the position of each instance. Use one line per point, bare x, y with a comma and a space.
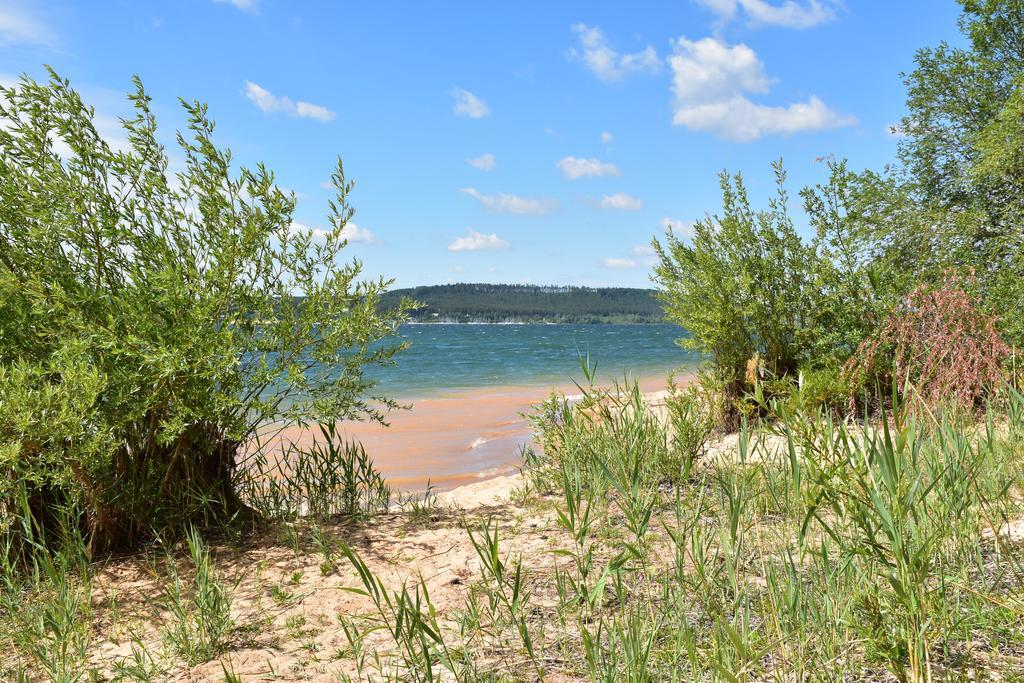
288, 601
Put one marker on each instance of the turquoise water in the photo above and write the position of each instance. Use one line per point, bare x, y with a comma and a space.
453, 356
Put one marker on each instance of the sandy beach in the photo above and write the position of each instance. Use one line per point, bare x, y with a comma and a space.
452, 439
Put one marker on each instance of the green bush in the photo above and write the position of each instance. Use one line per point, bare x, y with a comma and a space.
150, 322
825, 389
761, 302
691, 422
741, 288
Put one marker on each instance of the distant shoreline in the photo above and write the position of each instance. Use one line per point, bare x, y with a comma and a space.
497, 303
535, 322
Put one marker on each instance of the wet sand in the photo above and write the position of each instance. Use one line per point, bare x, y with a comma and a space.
452, 439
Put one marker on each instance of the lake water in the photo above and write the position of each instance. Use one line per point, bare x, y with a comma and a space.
445, 357
471, 386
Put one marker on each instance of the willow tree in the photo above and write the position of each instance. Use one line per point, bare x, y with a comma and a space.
962, 148
151, 321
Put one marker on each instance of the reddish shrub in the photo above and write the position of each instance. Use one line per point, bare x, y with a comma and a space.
938, 341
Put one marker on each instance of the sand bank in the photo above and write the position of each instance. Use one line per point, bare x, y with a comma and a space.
453, 439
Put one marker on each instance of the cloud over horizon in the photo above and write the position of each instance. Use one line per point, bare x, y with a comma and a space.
616, 262
511, 203
709, 82
269, 103
478, 241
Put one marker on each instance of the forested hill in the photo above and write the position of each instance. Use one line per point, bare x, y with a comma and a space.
530, 303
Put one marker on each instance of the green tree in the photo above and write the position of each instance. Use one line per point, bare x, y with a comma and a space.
744, 286
953, 208
954, 96
963, 150
150, 322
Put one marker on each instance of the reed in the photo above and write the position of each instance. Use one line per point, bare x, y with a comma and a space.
333, 476
200, 609
814, 549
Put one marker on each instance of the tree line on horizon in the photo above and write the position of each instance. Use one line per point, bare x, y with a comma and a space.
468, 302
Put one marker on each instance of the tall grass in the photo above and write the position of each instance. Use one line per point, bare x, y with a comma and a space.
46, 580
812, 549
45, 591
200, 610
333, 476
803, 548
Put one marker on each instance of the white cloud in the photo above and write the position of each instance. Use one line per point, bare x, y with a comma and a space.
484, 162
457, 269
709, 79
645, 253
469, 105
606, 63
575, 167
684, 228
244, 5
621, 201
297, 228
510, 203
477, 241
725, 9
351, 232
741, 120
642, 255
710, 70
269, 103
790, 13
606, 137
305, 110
19, 28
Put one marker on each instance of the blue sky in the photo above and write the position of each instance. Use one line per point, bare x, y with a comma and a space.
504, 142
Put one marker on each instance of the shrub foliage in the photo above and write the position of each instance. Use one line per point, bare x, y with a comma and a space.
939, 342
741, 287
150, 320
763, 303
